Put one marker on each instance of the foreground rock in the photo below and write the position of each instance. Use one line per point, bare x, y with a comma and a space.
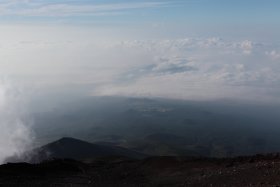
154, 171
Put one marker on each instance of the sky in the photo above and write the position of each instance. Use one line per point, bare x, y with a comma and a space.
181, 49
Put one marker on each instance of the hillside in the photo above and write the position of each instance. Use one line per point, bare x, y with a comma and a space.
75, 149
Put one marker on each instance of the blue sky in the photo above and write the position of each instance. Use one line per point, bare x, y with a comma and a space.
230, 18
182, 11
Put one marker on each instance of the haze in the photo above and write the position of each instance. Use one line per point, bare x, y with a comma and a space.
54, 52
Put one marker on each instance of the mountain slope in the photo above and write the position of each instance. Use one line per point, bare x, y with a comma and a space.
76, 149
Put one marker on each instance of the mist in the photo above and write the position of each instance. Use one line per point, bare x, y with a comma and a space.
16, 136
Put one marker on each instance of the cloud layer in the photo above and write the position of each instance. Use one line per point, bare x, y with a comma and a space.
186, 68
193, 68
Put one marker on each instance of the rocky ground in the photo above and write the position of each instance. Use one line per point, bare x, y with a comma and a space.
259, 170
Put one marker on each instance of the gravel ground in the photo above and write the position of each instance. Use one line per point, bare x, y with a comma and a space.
260, 170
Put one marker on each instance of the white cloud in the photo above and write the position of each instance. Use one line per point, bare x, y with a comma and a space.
216, 69
246, 46
273, 54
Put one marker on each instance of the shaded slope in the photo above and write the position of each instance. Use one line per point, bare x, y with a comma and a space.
74, 149
78, 149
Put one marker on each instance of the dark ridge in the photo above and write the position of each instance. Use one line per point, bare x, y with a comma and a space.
75, 149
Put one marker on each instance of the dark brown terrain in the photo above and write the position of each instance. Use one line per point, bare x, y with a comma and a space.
259, 170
